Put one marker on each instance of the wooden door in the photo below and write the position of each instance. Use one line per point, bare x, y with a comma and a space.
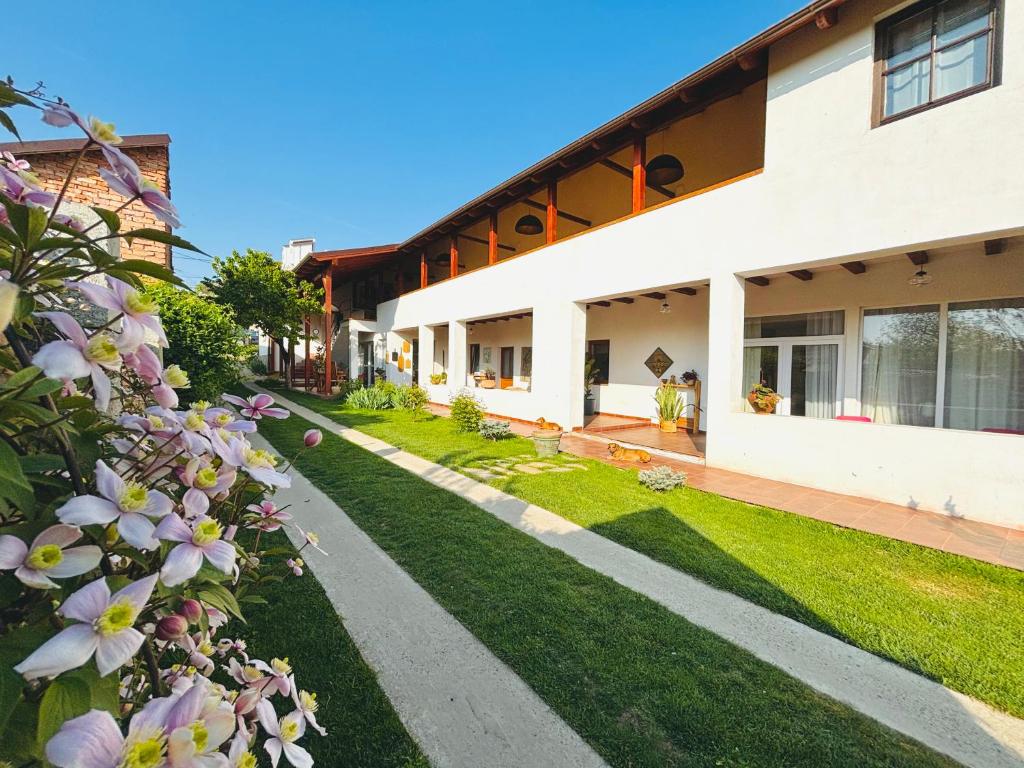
507, 357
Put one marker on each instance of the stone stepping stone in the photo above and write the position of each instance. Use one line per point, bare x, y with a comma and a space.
526, 469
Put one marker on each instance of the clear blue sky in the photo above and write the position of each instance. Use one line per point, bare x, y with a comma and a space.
358, 122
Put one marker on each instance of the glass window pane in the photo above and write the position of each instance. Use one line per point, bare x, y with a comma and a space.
760, 366
600, 352
985, 365
909, 39
807, 324
813, 383
907, 88
900, 364
960, 18
962, 66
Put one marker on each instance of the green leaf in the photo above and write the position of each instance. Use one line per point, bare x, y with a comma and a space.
18, 216
219, 597
147, 268
40, 388
6, 122
102, 690
11, 685
67, 697
37, 217
168, 238
18, 742
23, 376
10, 97
13, 483
111, 219
40, 462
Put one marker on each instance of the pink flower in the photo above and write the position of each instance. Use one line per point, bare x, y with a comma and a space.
137, 307
199, 475
125, 178
257, 406
199, 538
130, 504
312, 540
312, 438
197, 725
295, 563
258, 463
222, 418
106, 629
14, 163
283, 734
22, 187
47, 557
306, 703
76, 356
270, 517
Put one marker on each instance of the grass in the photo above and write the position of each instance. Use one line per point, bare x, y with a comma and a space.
299, 622
956, 620
643, 686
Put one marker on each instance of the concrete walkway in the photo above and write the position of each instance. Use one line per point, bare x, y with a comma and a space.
463, 706
963, 728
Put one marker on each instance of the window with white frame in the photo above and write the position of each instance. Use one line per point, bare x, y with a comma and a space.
798, 356
958, 365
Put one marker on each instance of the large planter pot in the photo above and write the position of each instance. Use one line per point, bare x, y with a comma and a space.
761, 410
546, 442
668, 426
488, 384
588, 406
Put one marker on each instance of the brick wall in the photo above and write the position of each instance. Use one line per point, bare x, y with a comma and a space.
87, 187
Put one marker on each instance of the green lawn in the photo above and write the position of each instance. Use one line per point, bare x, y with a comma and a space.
956, 620
299, 622
642, 685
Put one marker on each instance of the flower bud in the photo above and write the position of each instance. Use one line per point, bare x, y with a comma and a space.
171, 627
312, 438
247, 701
191, 610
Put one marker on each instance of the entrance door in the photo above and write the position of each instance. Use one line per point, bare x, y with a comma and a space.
366, 363
507, 356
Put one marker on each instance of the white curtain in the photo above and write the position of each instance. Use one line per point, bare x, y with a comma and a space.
821, 369
985, 368
900, 365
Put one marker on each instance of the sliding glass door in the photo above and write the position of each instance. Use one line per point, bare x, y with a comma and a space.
798, 356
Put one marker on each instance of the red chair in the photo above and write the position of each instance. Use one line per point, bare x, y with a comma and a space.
853, 418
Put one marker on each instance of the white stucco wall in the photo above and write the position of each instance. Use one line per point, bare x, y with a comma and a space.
833, 190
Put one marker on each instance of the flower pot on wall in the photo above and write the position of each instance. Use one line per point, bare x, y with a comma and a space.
762, 407
488, 384
668, 426
546, 441
588, 406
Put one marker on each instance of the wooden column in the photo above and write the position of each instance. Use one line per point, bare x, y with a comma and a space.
639, 173
328, 329
453, 256
492, 240
551, 233
270, 355
308, 367
423, 269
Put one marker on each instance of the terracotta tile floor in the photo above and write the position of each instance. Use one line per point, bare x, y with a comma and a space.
652, 437
980, 541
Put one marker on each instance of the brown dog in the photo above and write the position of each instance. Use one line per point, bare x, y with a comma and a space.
628, 454
543, 423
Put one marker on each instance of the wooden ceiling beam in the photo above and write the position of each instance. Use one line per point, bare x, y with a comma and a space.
995, 247
599, 304
802, 274
759, 281
827, 18
473, 239
562, 214
624, 171
918, 258
749, 62
625, 299
685, 291
855, 267
656, 295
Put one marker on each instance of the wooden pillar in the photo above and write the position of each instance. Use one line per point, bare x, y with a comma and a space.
551, 232
639, 173
453, 256
492, 239
423, 269
308, 372
328, 329
270, 355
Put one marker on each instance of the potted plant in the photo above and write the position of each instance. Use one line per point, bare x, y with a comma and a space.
763, 399
488, 381
670, 407
439, 378
590, 372
689, 377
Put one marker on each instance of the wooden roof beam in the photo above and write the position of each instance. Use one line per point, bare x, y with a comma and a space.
685, 291
995, 247
656, 295
562, 214
599, 304
759, 281
918, 258
473, 239
802, 274
748, 62
625, 299
855, 267
624, 171
827, 17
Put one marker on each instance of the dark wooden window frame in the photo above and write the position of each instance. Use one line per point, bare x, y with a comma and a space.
882, 28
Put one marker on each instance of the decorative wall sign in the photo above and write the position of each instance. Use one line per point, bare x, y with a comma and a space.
394, 356
406, 346
526, 362
485, 356
658, 362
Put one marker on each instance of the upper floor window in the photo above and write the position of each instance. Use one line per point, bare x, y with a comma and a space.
934, 52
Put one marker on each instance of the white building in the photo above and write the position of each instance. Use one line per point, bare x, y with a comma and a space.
848, 229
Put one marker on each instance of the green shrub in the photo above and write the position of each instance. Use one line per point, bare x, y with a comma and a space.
203, 339
369, 398
661, 478
493, 429
466, 412
257, 366
410, 398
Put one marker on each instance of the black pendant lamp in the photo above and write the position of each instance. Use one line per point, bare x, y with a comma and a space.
529, 225
664, 169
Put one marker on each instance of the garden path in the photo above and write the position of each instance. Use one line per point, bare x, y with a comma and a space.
949, 722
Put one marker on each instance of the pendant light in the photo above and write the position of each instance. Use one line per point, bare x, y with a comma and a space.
920, 278
665, 308
529, 225
664, 169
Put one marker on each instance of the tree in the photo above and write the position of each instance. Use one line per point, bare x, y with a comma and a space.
205, 341
263, 294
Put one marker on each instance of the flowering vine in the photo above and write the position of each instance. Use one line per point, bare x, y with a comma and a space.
121, 563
